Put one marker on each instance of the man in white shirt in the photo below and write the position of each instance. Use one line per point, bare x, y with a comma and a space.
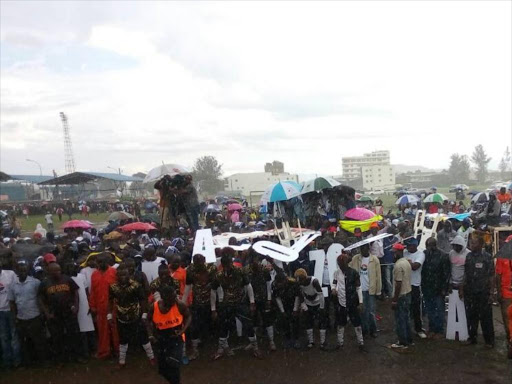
151, 263
345, 286
457, 260
11, 355
416, 259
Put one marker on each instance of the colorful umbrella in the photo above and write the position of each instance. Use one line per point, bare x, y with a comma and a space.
364, 225
407, 199
364, 199
235, 207
284, 190
120, 215
318, 184
435, 198
81, 224
137, 226
481, 197
359, 214
165, 169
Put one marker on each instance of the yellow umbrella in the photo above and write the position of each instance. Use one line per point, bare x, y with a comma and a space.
93, 254
351, 225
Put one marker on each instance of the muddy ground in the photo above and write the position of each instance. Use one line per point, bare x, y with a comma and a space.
427, 362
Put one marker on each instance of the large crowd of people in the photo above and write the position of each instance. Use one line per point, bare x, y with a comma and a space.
95, 295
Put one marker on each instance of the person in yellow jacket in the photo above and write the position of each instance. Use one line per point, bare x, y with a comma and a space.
368, 267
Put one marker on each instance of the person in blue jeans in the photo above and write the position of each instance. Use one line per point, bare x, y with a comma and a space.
387, 262
11, 352
368, 267
401, 303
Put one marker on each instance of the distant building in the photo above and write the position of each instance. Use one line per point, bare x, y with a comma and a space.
352, 166
275, 168
246, 183
378, 177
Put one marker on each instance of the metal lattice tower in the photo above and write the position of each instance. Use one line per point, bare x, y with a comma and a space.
69, 159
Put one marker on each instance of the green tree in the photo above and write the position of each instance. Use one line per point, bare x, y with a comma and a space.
459, 168
481, 162
505, 161
207, 173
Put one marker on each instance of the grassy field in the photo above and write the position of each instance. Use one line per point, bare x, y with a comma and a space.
29, 225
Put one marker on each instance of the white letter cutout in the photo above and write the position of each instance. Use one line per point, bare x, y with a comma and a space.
203, 244
275, 251
319, 257
456, 318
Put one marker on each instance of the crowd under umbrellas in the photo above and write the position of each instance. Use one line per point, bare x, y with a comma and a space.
371, 250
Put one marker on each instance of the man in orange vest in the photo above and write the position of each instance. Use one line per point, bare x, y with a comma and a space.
170, 318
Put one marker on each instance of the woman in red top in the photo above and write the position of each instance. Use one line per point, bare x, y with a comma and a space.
170, 318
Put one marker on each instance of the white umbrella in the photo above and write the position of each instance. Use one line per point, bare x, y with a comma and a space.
165, 169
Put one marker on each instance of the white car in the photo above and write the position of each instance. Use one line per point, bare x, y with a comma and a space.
375, 192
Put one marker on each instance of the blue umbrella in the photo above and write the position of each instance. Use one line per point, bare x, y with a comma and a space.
407, 199
282, 191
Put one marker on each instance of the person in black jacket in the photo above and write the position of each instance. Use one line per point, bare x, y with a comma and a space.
344, 291
435, 276
478, 292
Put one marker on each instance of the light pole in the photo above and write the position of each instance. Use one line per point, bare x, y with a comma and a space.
40, 169
119, 169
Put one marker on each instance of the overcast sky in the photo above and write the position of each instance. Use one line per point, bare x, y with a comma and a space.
250, 82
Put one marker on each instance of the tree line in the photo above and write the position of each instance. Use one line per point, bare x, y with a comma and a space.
460, 165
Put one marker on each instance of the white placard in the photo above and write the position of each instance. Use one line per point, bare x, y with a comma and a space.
203, 245
276, 251
368, 241
305, 240
318, 256
456, 322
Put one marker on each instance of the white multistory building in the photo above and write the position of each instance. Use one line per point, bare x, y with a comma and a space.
257, 182
373, 168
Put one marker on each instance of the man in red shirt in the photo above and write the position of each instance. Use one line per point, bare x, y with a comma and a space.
101, 280
504, 287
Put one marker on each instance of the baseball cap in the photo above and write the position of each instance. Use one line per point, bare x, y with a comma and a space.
49, 258
412, 241
398, 247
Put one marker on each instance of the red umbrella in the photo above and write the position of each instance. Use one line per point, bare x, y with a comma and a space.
234, 207
137, 226
359, 214
76, 224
